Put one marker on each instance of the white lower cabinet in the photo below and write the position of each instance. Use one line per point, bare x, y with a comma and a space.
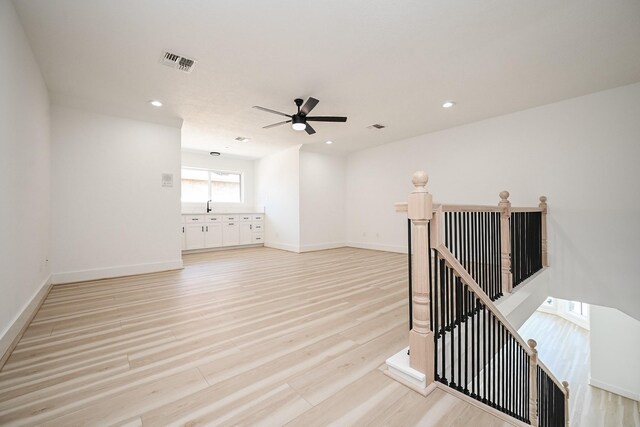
213, 235
214, 231
194, 236
230, 234
246, 233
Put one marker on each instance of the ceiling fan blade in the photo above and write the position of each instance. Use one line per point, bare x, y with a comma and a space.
276, 124
327, 119
271, 111
309, 129
309, 105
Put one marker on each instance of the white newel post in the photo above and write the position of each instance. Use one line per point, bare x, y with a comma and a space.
533, 383
566, 403
421, 345
543, 206
505, 242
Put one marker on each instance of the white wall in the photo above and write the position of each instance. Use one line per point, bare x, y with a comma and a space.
277, 188
222, 163
24, 172
322, 201
110, 214
615, 352
582, 153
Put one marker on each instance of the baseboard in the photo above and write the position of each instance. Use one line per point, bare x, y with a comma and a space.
107, 273
12, 335
283, 246
322, 246
220, 248
378, 247
614, 389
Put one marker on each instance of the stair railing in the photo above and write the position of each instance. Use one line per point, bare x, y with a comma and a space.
460, 262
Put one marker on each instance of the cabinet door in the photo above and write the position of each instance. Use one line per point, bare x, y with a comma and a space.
213, 235
230, 234
194, 236
246, 229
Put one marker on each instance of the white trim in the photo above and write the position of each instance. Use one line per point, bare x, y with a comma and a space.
378, 247
614, 389
13, 333
221, 248
283, 247
399, 365
322, 246
110, 272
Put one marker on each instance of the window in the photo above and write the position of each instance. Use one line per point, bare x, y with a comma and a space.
578, 308
201, 185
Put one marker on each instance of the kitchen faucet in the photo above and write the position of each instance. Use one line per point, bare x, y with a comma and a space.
209, 209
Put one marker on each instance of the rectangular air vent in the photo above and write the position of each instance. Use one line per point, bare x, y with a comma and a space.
376, 126
177, 61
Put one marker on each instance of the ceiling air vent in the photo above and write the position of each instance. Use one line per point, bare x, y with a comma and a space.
178, 62
376, 126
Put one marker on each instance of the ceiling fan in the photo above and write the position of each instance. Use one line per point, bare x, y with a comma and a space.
299, 120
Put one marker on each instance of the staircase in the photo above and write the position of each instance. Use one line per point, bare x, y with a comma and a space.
462, 258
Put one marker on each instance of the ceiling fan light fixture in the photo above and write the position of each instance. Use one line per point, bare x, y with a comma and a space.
298, 123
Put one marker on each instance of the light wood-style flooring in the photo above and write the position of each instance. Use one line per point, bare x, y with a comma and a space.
564, 348
253, 336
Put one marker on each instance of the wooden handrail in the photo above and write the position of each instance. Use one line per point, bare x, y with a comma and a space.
468, 208
402, 207
526, 209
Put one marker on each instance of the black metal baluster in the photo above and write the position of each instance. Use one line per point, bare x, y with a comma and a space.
443, 328
410, 276
436, 312
429, 261
452, 370
465, 301
459, 326
484, 353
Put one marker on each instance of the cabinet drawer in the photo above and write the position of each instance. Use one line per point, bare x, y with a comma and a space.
213, 218
246, 218
257, 238
228, 218
258, 217
257, 226
190, 219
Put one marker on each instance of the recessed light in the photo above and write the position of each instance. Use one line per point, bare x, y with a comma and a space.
155, 103
214, 153
448, 104
329, 142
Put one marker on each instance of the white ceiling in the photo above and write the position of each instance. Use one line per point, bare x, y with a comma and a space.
375, 61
